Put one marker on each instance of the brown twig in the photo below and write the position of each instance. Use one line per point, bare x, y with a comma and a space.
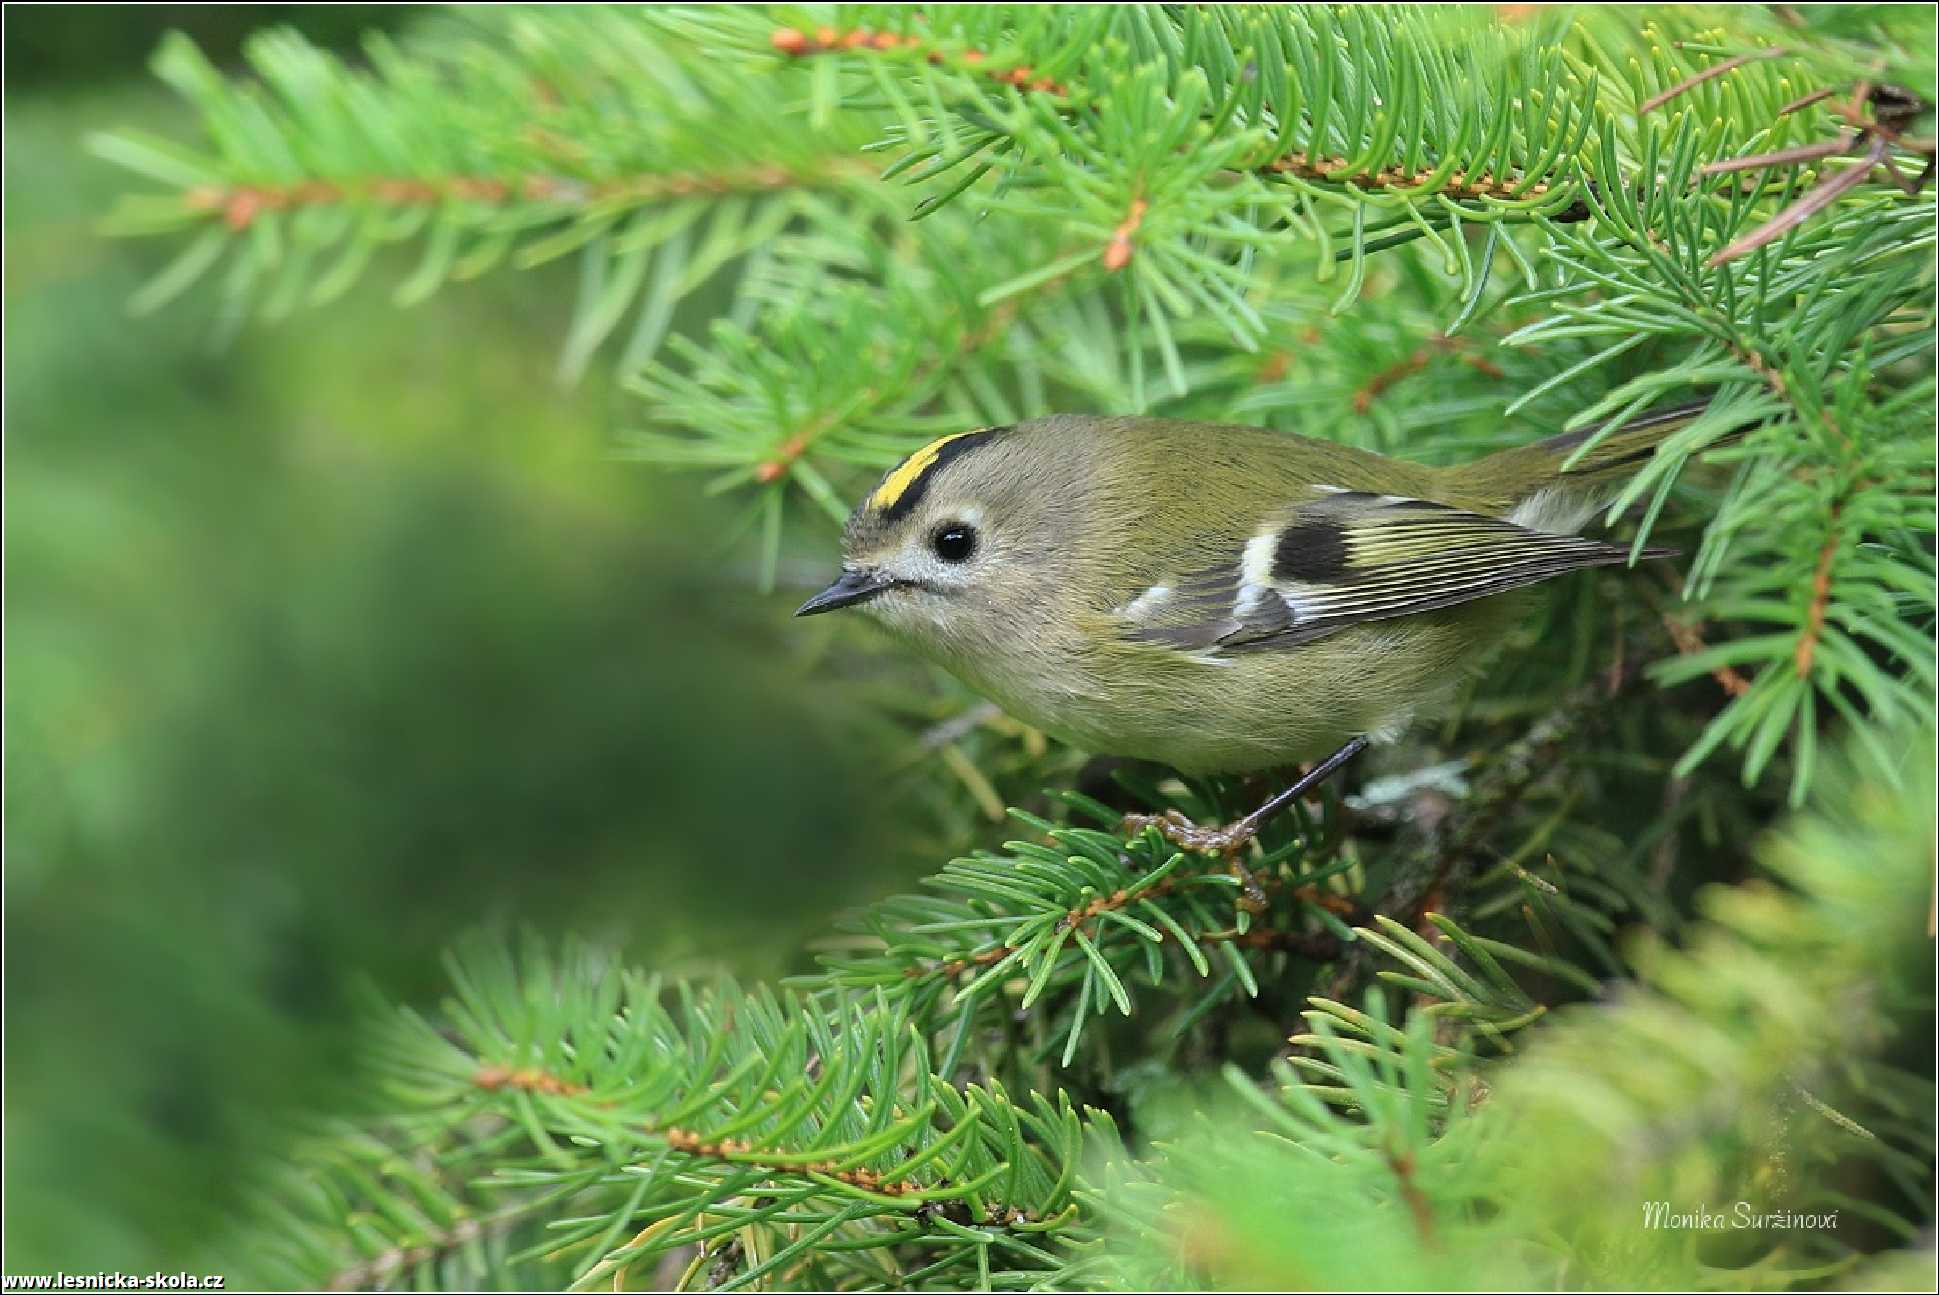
1402, 1164
533, 1080
1783, 157
1371, 389
1827, 192
785, 454
1696, 79
1851, 111
1879, 132
1754, 360
826, 40
529, 1079
739, 1152
1814, 612
1910, 187
1804, 101
241, 205
1457, 186
957, 966
1117, 253
1689, 639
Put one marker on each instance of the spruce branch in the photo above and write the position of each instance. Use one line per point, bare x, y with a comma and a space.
1431, 233
827, 40
689, 1113
1709, 1079
241, 206
1058, 928
1689, 638
808, 1138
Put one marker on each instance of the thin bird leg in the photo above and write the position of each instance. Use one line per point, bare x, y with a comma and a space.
1227, 840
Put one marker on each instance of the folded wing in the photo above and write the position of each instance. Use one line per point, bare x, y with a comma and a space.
1347, 557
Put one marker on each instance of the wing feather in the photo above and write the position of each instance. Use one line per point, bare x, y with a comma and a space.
1349, 557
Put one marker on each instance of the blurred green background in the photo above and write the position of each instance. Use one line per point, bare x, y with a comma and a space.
325, 645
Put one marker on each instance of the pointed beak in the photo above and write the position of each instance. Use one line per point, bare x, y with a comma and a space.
850, 587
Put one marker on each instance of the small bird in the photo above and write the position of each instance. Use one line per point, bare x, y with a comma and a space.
1219, 599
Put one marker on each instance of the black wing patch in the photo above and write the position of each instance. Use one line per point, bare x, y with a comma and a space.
1348, 558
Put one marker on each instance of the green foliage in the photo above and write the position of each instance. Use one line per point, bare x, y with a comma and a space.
1396, 227
815, 1133
313, 655
1760, 1063
568, 1122
1081, 913
1110, 201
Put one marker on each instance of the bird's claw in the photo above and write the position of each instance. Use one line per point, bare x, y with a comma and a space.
1225, 841
1187, 835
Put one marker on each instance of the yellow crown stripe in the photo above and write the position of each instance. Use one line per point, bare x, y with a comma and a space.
897, 483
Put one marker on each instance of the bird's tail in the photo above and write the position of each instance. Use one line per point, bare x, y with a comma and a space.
1621, 452
1532, 485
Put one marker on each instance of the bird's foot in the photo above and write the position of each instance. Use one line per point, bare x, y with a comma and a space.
1187, 835
1227, 841
1234, 837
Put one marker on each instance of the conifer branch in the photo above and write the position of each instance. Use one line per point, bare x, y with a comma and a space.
1814, 615
1429, 233
1688, 639
1715, 70
241, 206
826, 40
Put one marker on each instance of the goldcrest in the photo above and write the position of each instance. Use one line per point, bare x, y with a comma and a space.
1219, 599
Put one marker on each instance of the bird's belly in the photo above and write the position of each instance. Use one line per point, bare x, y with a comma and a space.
1241, 711
1252, 718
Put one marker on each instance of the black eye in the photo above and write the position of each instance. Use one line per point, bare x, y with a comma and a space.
953, 542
